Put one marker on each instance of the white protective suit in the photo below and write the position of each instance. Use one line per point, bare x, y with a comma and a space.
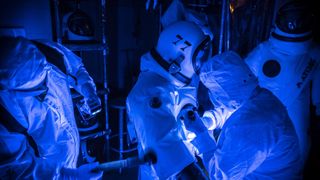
288, 69
257, 139
153, 106
36, 93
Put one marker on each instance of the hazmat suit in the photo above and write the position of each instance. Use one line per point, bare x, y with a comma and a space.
39, 137
257, 139
287, 64
163, 88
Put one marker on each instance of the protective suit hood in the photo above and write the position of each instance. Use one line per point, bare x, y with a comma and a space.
228, 79
22, 66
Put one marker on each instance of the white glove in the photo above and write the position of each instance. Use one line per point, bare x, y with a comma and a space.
203, 140
193, 122
94, 104
209, 120
83, 172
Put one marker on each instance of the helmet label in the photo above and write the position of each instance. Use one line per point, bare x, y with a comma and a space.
306, 72
180, 38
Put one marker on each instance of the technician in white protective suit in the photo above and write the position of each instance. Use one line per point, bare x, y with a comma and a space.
166, 84
257, 138
38, 134
288, 65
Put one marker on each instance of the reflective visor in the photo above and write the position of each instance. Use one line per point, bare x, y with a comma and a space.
201, 54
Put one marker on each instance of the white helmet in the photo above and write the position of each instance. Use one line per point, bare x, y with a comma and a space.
77, 26
181, 49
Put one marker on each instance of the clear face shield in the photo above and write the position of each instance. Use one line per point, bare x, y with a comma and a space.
201, 54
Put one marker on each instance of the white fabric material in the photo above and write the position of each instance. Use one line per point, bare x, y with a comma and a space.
177, 12
209, 120
224, 79
299, 67
157, 127
83, 83
17, 73
25, 74
257, 139
224, 88
217, 116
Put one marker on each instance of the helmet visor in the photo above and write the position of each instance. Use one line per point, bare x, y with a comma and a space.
201, 54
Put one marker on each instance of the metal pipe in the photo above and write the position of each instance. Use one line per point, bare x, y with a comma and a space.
150, 158
57, 19
221, 40
228, 25
104, 43
105, 75
114, 165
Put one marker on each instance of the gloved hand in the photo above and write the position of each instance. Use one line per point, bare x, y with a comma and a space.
209, 120
94, 104
83, 172
191, 120
88, 107
203, 141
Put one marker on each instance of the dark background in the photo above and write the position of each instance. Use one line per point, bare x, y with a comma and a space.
132, 31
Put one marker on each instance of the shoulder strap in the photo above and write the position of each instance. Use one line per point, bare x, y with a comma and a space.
172, 68
10, 123
52, 55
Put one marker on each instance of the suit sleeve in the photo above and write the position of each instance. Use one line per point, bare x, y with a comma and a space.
150, 108
238, 153
78, 76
